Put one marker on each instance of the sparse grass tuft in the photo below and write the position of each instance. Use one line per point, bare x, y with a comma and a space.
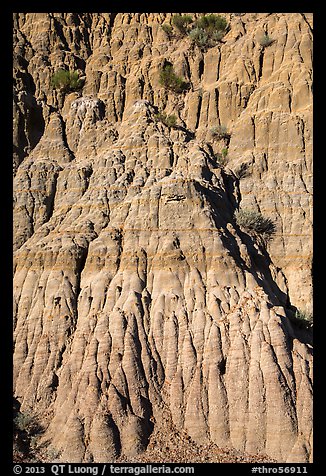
303, 319
265, 40
220, 132
52, 454
253, 221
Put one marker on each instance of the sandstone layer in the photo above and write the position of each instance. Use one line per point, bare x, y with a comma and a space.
136, 294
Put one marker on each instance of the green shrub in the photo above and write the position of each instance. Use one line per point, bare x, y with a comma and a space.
171, 81
209, 29
23, 421
181, 22
217, 36
265, 40
224, 152
223, 157
253, 221
167, 29
52, 454
198, 36
66, 81
169, 121
211, 23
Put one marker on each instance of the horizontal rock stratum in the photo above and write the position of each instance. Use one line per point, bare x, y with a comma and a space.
138, 299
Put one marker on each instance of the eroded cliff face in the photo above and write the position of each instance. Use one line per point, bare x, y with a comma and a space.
137, 297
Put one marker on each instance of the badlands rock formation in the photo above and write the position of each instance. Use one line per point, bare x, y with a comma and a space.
137, 298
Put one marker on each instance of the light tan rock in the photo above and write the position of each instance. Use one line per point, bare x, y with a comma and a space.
136, 294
